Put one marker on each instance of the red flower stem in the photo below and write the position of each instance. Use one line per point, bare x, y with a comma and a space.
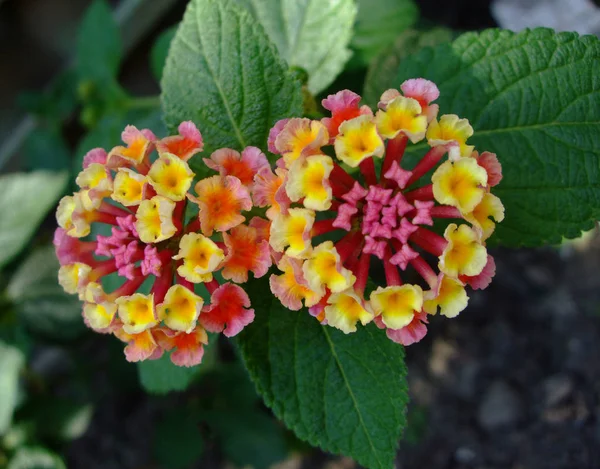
392, 276
348, 244
148, 191
335, 205
430, 159
425, 271
362, 273
162, 284
101, 268
323, 226
144, 166
422, 193
340, 175
212, 286
193, 226
111, 209
429, 241
367, 168
105, 218
178, 214
185, 283
394, 152
445, 211
130, 286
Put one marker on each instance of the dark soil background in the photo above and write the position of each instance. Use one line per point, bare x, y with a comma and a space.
513, 382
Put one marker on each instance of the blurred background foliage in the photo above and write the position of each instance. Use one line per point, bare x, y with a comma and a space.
75, 73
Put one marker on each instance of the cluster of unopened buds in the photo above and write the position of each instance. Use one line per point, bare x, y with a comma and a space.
337, 204
432, 227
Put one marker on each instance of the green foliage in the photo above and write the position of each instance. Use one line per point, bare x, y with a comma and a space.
25, 199
248, 435
99, 48
310, 34
224, 74
379, 23
161, 376
46, 149
177, 442
381, 74
344, 393
35, 458
11, 363
160, 50
534, 99
40, 301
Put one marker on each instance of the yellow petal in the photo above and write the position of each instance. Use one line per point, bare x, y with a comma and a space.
358, 140
345, 309
397, 305
402, 115
128, 188
171, 177
201, 256
154, 219
309, 179
180, 309
464, 254
460, 184
137, 312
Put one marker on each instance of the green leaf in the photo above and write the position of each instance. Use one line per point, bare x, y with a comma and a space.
40, 301
177, 441
224, 74
310, 34
11, 362
99, 48
379, 23
248, 435
381, 74
161, 376
344, 393
160, 50
25, 199
47, 149
35, 458
533, 98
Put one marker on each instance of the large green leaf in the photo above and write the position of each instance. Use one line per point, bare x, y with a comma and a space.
311, 34
379, 23
161, 376
160, 50
99, 48
344, 393
381, 74
534, 99
35, 458
40, 301
224, 74
25, 199
11, 362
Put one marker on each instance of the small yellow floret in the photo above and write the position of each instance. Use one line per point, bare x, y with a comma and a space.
450, 296
97, 178
324, 268
460, 184
137, 312
128, 187
171, 177
451, 128
464, 254
309, 179
72, 277
155, 219
301, 136
489, 207
397, 305
293, 230
201, 256
402, 115
345, 309
180, 309
358, 140
99, 316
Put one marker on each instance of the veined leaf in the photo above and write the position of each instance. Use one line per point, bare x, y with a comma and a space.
311, 34
223, 73
534, 99
344, 393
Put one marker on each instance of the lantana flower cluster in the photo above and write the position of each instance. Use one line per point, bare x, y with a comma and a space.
348, 197
141, 191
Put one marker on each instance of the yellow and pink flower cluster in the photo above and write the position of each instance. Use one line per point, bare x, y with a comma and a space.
140, 192
341, 202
